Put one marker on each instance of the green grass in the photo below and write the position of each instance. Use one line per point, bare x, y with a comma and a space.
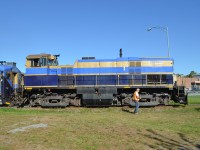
194, 99
101, 128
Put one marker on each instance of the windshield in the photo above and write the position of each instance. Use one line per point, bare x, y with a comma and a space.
53, 62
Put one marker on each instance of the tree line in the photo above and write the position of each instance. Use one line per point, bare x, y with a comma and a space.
190, 75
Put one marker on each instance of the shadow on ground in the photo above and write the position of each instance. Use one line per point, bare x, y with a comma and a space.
198, 109
128, 109
163, 141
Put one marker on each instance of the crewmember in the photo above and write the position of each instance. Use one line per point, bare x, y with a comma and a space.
136, 99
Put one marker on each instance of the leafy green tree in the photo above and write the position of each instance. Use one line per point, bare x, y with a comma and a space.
179, 75
191, 74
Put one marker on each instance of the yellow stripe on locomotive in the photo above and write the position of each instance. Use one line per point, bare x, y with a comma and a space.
123, 64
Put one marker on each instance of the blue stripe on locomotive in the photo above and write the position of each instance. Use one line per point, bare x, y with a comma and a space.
115, 70
48, 71
102, 70
36, 70
41, 80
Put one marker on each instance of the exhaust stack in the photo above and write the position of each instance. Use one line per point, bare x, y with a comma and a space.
120, 53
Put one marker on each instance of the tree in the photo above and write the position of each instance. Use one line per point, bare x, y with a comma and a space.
179, 75
191, 74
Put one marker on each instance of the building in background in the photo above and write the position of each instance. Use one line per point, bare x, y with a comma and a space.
196, 83
191, 84
196, 76
185, 81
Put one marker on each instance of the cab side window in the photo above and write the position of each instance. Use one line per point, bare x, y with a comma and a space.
35, 63
43, 61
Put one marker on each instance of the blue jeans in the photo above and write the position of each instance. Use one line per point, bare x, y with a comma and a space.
136, 106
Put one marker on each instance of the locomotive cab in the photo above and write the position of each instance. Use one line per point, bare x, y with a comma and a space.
44, 80
41, 60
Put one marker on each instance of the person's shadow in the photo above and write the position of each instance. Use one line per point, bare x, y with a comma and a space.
127, 109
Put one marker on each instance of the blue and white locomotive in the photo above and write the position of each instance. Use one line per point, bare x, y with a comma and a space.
100, 82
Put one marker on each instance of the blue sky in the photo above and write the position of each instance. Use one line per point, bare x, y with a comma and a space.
99, 28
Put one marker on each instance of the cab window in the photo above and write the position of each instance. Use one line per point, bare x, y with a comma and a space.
35, 63
43, 61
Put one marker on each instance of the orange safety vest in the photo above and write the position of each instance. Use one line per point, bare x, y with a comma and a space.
136, 96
